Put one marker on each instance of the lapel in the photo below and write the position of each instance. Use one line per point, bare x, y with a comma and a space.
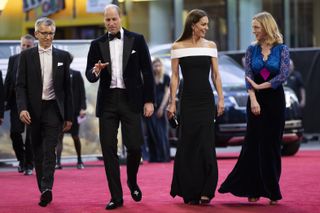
127, 48
37, 64
105, 51
54, 62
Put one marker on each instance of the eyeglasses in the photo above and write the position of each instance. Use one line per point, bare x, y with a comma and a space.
46, 33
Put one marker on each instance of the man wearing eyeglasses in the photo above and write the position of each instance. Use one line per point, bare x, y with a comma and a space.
22, 149
44, 101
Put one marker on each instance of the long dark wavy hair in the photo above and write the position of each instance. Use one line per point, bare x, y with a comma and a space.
192, 18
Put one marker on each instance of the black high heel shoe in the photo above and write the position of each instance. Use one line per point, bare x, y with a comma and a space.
204, 200
253, 199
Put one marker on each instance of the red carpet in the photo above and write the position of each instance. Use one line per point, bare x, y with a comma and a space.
86, 190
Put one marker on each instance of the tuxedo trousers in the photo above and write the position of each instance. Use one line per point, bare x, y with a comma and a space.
22, 149
45, 132
117, 110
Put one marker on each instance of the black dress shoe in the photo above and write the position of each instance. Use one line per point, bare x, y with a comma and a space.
20, 168
58, 166
46, 198
136, 193
28, 172
113, 204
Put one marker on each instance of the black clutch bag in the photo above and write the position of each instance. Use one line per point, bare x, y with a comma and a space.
173, 121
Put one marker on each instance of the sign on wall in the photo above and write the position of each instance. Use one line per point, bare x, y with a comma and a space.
43, 7
97, 6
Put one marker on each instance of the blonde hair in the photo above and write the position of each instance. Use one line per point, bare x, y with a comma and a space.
158, 60
270, 27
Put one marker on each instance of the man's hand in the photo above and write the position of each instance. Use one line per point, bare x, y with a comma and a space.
98, 67
1, 120
82, 113
67, 126
148, 109
25, 117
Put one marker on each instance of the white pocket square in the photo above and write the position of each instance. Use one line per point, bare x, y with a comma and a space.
133, 51
60, 64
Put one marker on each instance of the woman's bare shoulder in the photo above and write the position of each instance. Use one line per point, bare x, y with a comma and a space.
210, 44
177, 45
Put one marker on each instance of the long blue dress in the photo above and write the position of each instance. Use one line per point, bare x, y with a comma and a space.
258, 169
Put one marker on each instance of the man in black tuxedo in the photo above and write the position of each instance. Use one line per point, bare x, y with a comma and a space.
121, 60
44, 101
80, 106
22, 149
1, 98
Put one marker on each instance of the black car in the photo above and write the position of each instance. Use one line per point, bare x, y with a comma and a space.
230, 128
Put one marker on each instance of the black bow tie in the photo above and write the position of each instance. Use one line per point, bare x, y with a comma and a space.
112, 36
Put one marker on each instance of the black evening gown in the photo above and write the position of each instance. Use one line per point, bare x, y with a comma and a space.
257, 171
195, 167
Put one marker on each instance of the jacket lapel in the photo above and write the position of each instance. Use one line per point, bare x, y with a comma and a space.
37, 63
127, 48
54, 63
105, 52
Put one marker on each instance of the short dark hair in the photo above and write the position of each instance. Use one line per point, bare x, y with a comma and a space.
28, 37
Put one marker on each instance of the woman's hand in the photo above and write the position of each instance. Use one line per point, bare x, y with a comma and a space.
253, 84
220, 107
171, 110
255, 108
160, 112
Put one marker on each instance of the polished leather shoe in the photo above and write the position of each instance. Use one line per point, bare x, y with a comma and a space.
28, 172
136, 193
58, 166
80, 165
46, 198
20, 168
113, 204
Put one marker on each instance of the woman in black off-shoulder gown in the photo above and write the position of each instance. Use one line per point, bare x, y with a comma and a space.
195, 167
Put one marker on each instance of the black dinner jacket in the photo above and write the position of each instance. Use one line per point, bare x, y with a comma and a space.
1, 96
29, 83
10, 82
137, 70
78, 91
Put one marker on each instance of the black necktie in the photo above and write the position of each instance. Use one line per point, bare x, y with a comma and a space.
112, 36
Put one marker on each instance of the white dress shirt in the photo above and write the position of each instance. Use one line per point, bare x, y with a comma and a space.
116, 55
46, 73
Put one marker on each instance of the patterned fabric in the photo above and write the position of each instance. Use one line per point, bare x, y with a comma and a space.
277, 64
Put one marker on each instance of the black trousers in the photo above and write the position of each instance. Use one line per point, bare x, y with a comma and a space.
116, 110
22, 149
44, 138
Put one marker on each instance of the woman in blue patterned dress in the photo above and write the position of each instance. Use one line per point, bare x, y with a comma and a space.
195, 172
258, 169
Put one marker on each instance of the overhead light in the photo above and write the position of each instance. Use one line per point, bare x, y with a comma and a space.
3, 4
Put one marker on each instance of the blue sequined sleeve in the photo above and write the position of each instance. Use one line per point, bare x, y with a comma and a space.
284, 68
247, 66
